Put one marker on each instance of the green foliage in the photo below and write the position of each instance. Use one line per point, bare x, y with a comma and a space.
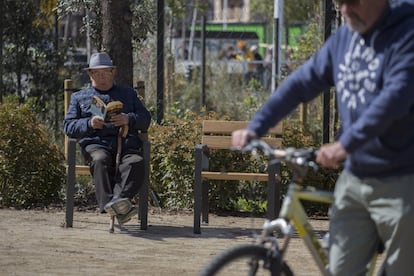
144, 22
94, 18
31, 167
172, 160
143, 19
30, 58
309, 43
296, 10
84, 191
226, 94
178, 8
230, 98
237, 195
172, 167
251, 205
229, 95
295, 135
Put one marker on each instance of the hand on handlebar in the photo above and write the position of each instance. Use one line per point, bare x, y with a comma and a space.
301, 157
331, 155
240, 138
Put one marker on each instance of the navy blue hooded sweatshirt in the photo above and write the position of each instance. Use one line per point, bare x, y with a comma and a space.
373, 75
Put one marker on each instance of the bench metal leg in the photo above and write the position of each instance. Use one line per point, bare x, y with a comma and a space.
143, 193
204, 201
70, 188
112, 225
143, 207
273, 195
197, 209
197, 191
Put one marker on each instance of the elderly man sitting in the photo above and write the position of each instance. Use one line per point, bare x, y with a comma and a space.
116, 183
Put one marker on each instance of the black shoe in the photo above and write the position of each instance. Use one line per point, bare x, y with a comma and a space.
122, 219
118, 206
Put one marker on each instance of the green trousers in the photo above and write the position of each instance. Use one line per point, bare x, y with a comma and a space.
369, 211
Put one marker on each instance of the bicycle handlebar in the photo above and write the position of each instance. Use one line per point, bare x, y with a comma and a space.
304, 157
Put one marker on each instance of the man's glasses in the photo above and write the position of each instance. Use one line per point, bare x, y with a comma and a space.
101, 74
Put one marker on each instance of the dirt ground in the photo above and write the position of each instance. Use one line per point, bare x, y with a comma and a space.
35, 243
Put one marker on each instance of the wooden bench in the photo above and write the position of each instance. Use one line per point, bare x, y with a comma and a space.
74, 169
216, 135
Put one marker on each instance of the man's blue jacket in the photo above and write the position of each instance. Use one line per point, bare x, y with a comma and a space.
77, 120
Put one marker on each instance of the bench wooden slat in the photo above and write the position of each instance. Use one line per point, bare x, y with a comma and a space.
227, 127
81, 169
235, 176
224, 142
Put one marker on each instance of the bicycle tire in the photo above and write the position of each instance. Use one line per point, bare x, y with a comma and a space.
250, 252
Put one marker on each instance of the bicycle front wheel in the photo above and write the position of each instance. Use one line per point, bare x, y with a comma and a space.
247, 259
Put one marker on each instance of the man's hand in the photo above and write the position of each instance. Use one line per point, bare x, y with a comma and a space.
120, 120
331, 155
241, 137
97, 122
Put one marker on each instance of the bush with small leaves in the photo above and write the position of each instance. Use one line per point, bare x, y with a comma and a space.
31, 167
172, 166
172, 159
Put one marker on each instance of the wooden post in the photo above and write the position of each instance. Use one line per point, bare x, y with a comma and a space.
303, 111
70, 189
169, 81
68, 89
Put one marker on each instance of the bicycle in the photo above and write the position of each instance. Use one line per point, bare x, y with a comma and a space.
267, 253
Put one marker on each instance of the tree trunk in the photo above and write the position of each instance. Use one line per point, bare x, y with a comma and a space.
1, 53
116, 38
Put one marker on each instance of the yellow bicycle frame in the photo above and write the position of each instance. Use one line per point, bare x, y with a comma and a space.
292, 210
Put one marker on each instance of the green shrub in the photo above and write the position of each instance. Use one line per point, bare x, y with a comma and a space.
237, 195
295, 135
31, 167
172, 160
172, 167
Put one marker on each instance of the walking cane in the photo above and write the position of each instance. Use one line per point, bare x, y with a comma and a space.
123, 131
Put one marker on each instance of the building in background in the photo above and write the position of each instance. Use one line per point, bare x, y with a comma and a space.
230, 11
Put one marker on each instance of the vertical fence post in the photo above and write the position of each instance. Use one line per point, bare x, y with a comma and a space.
160, 61
68, 89
203, 63
326, 96
70, 161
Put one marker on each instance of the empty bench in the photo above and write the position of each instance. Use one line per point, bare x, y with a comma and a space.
74, 169
216, 135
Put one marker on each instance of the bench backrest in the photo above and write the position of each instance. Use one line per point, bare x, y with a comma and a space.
216, 134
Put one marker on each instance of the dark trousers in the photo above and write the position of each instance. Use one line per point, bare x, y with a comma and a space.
125, 183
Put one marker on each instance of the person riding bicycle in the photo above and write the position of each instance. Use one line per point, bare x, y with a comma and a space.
370, 61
